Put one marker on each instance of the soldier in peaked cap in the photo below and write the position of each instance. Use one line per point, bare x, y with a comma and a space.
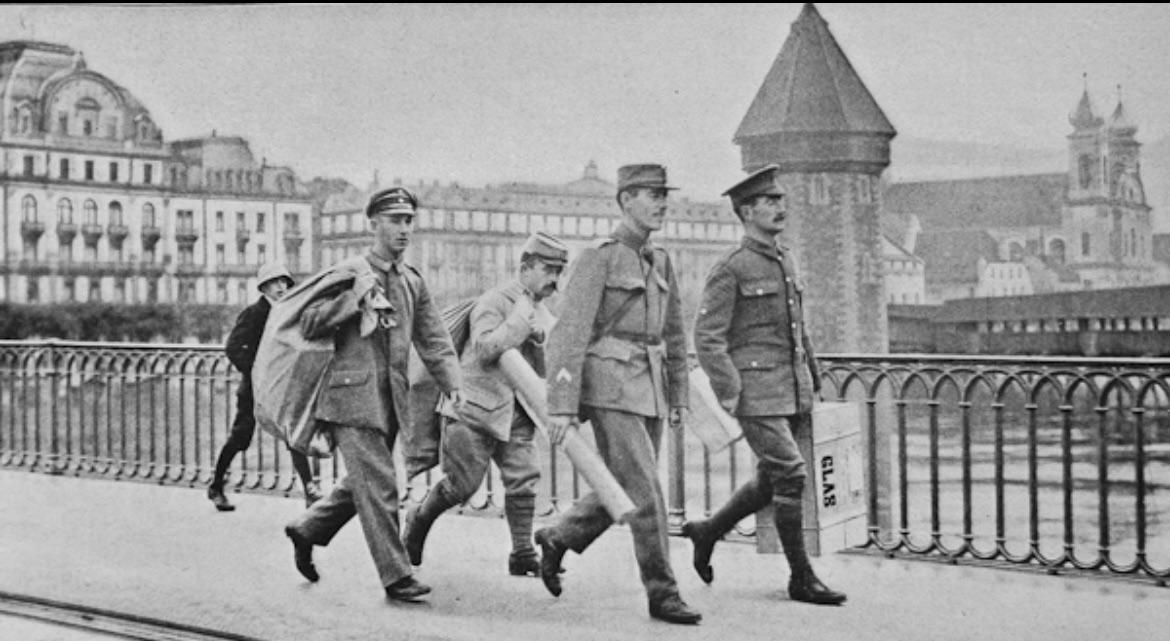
618, 358
380, 310
751, 342
273, 280
492, 425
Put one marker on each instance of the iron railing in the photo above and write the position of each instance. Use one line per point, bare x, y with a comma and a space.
1049, 462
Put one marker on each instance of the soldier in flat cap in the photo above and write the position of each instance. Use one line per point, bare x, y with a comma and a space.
381, 308
751, 342
491, 425
618, 358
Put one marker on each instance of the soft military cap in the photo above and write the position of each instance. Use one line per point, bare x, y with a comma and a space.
546, 247
396, 200
762, 182
652, 176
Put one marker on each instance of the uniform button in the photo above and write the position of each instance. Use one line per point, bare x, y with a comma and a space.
755, 364
759, 292
347, 381
794, 326
791, 302
787, 280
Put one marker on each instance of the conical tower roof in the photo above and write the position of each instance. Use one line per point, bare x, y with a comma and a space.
812, 87
1120, 122
1084, 117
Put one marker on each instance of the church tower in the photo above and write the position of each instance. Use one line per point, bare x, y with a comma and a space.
814, 117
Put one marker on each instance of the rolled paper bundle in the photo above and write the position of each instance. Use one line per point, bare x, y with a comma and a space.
531, 391
709, 421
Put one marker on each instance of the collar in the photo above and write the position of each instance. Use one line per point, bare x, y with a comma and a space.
627, 236
383, 265
760, 247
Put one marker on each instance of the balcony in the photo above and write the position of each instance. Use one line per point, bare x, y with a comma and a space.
189, 269
243, 235
150, 235
293, 237
235, 269
32, 229
97, 268
117, 233
29, 267
186, 235
91, 233
66, 232
151, 269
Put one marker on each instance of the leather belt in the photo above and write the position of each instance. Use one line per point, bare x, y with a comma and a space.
633, 337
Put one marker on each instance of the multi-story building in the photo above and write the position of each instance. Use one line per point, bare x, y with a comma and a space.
468, 238
97, 206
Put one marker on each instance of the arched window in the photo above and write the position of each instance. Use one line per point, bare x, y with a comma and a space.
1085, 245
1086, 171
65, 211
115, 213
28, 209
1133, 242
148, 219
90, 210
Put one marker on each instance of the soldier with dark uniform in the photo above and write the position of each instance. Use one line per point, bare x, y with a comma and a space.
751, 342
492, 425
273, 280
364, 399
617, 358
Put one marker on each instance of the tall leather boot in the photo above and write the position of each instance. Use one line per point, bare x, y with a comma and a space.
519, 511
803, 585
746, 501
419, 519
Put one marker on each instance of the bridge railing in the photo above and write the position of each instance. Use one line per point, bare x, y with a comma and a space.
1050, 462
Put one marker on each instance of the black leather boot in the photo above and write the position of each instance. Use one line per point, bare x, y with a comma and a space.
746, 501
803, 585
519, 510
552, 552
419, 519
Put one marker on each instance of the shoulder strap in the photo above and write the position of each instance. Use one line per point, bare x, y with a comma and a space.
619, 314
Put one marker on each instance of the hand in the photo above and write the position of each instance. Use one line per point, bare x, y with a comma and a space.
676, 416
559, 426
363, 283
455, 399
729, 405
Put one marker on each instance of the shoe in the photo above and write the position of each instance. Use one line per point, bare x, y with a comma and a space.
524, 564
704, 545
551, 553
407, 589
303, 555
215, 493
807, 588
674, 610
312, 494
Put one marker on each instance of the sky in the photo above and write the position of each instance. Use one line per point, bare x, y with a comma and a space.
485, 94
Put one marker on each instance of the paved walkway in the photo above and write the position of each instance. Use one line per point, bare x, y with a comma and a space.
164, 552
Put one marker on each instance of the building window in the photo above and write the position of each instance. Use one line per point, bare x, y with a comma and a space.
120, 290
148, 174
818, 193
1133, 242
28, 209
261, 255
115, 213
32, 291
241, 220
63, 123
1085, 245
95, 289
29, 166
148, 219
91, 254
292, 222
186, 255
220, 258
63, 169
221, 292
113, 172
67, 252
70, 289
1085, 171
152, 290
242, 292
219, 221
90, 211
89, 170
293, 258
260, 222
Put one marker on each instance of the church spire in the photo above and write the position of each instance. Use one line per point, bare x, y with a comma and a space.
1083, 116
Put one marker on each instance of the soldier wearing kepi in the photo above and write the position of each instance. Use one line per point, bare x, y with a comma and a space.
618, 358
363, 401
491, 425
751, 342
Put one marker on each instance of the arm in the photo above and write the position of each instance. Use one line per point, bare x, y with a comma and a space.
565, 350
711, 328
812, 359
322, 317
678, 370
433, 342
245, 338
493, 332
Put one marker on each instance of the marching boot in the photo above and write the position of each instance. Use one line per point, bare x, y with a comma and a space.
746, 501
552, 552
803, 585
215, 493
419, 519
519, 511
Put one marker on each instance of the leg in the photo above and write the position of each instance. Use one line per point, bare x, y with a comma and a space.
465, 455
520, 471
747, 500
300, 463
243, 427
629, 445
